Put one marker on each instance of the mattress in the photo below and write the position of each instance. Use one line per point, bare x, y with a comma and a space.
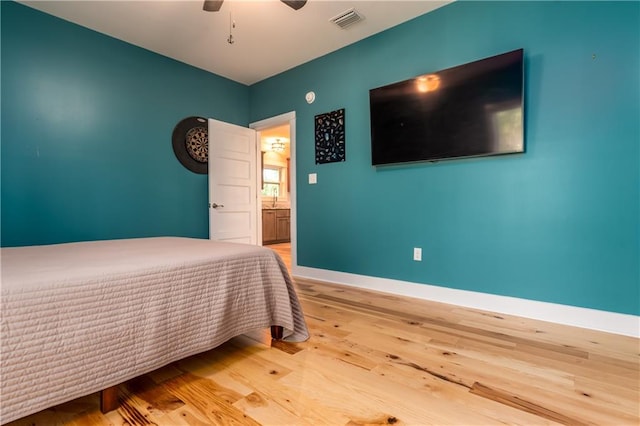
80, 317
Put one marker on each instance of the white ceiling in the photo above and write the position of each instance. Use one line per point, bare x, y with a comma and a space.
269, 37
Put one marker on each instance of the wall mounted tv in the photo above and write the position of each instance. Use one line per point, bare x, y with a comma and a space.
471, 110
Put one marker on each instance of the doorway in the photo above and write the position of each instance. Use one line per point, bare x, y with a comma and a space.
276, 185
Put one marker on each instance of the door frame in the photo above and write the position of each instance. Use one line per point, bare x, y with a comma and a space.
290, 119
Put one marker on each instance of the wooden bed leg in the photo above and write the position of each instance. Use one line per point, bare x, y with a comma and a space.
109, 399
277, 332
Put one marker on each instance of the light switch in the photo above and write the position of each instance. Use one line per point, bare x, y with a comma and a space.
417, 254
313, 178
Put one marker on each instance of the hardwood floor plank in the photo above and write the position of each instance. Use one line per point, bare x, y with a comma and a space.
158, 398
522, 404
398, 400
210, 400
287, 347
265, 412
438, 389
614, 397
135, 413
375, 358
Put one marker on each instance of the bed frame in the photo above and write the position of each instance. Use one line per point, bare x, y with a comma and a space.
109, 396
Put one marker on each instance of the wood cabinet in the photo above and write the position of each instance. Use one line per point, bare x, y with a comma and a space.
276, 226
283, 225
268, 226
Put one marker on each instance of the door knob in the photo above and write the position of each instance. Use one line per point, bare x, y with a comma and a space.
215, 205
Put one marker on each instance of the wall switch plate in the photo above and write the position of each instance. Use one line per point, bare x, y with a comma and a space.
417, 254
313, 178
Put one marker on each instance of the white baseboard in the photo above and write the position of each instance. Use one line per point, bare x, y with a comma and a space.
611, 322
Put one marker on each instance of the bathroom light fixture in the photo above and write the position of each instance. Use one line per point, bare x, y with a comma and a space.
277, 146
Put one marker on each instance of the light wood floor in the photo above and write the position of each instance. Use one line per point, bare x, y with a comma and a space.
379, 359
284, 250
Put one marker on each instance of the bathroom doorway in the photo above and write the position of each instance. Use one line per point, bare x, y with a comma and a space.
276, 186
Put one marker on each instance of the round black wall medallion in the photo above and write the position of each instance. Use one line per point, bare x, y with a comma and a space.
190, 140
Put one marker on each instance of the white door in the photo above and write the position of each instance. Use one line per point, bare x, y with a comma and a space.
232, 183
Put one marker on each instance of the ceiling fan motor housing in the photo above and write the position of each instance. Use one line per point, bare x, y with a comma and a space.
212, 5
294, 4
215, 5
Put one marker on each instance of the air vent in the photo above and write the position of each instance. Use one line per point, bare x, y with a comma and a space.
347, 18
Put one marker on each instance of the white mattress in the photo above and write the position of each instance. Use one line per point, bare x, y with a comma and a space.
80, 317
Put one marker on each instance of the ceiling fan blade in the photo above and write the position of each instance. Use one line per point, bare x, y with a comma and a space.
294, 4
212, 5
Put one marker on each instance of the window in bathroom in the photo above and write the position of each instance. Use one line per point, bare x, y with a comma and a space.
271, 182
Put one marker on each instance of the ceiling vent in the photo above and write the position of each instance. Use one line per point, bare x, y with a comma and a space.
347, 18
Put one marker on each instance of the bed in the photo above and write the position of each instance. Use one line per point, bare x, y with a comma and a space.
78, 318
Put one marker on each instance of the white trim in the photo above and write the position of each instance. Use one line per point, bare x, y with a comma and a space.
610, 322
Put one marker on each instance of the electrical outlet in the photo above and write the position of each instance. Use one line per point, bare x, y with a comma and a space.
417, 254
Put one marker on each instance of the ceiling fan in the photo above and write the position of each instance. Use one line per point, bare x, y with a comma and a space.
215, 5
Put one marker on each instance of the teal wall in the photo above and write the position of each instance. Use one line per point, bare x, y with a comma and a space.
86, 152
86, 134
559, 223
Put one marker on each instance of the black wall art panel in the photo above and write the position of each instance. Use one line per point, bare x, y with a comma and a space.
330, 139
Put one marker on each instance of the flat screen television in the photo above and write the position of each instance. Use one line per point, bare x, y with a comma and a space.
471, 110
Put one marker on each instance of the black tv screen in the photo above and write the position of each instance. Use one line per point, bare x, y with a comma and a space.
471, 110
